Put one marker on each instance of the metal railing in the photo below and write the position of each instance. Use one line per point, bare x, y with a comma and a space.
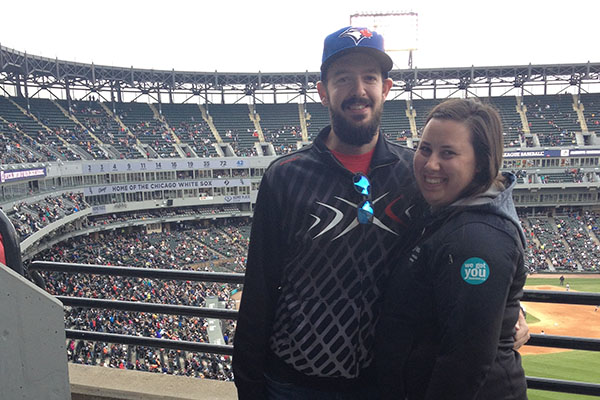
555, 385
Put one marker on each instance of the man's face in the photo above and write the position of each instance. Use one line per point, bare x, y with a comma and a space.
354, 93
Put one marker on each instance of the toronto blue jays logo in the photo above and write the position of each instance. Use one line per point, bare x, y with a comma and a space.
357, 34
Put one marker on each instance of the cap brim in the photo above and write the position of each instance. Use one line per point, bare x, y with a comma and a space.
382, 58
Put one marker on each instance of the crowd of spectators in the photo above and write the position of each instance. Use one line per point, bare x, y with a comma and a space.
555, 250
189, 247
284, 139
514, 135
14, 147
575, 230
197, 136
29, 218
106, 128
242, 151
566, 242
536, 257
81, 137
48, 142
157, 136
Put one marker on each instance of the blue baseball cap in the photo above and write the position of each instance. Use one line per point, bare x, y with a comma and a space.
349, 39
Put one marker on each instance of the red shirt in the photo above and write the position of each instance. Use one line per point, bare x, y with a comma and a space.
355, 163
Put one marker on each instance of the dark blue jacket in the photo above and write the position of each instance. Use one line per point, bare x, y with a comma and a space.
449, 314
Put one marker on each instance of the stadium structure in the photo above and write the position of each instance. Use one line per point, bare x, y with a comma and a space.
96, 159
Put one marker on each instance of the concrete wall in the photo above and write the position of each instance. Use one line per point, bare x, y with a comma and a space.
33, 358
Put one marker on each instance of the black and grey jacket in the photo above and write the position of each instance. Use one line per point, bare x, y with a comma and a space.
448, 320
314, 275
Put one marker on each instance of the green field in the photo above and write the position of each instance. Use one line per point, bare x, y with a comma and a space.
583, 366
544, 395
578, 284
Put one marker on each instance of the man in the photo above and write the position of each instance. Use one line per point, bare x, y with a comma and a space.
329, 220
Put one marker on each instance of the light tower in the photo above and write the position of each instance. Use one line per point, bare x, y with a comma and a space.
400, 30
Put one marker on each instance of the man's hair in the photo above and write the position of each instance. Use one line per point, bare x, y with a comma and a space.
485, 126
384, 75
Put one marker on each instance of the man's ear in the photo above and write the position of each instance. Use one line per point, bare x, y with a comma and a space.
387, 86
322, 93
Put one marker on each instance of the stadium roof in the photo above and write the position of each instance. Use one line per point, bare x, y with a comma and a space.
17, 67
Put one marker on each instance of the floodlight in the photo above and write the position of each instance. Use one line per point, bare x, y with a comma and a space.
399, 29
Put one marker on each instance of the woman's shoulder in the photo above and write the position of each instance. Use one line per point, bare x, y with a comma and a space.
475, 226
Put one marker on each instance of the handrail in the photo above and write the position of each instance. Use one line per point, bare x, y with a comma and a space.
564, 342
156, 308
168, 274
197, 347
551, 296
556, 385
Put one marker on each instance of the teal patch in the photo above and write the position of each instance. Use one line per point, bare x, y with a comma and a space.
475, 271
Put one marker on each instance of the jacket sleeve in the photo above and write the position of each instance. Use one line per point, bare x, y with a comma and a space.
259, 297
472, 270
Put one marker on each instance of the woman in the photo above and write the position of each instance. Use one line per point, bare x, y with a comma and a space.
448, 318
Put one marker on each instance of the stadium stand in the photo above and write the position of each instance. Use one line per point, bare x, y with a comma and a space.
152, 135
281, 126
513, 131
104, 128
190, 128
235, 127
38, 143
87, 129
553, 119
394, 122
317, 119
146, 229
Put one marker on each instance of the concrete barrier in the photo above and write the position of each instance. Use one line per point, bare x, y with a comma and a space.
101, 383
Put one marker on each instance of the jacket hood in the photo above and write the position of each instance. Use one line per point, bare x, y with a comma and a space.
496, 200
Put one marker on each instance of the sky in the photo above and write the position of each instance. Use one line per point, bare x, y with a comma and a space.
287, 36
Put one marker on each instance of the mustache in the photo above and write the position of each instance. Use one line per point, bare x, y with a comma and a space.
356, 101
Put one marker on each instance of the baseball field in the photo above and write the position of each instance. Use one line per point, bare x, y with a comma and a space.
567, 320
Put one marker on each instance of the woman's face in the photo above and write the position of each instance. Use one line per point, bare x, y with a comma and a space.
445, 161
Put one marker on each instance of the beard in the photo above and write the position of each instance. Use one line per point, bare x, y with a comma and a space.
352, 133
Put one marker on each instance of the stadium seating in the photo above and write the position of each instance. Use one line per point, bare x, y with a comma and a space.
591, 112
422, 108
136, 130
41, 145
114, 138
281, 125
553, 119
317, 119
234, 126
394, 122
507, 107
190, 128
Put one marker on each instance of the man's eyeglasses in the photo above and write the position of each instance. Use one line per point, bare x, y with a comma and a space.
365, 208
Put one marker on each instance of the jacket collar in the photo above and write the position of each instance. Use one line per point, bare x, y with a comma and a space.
381, 156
